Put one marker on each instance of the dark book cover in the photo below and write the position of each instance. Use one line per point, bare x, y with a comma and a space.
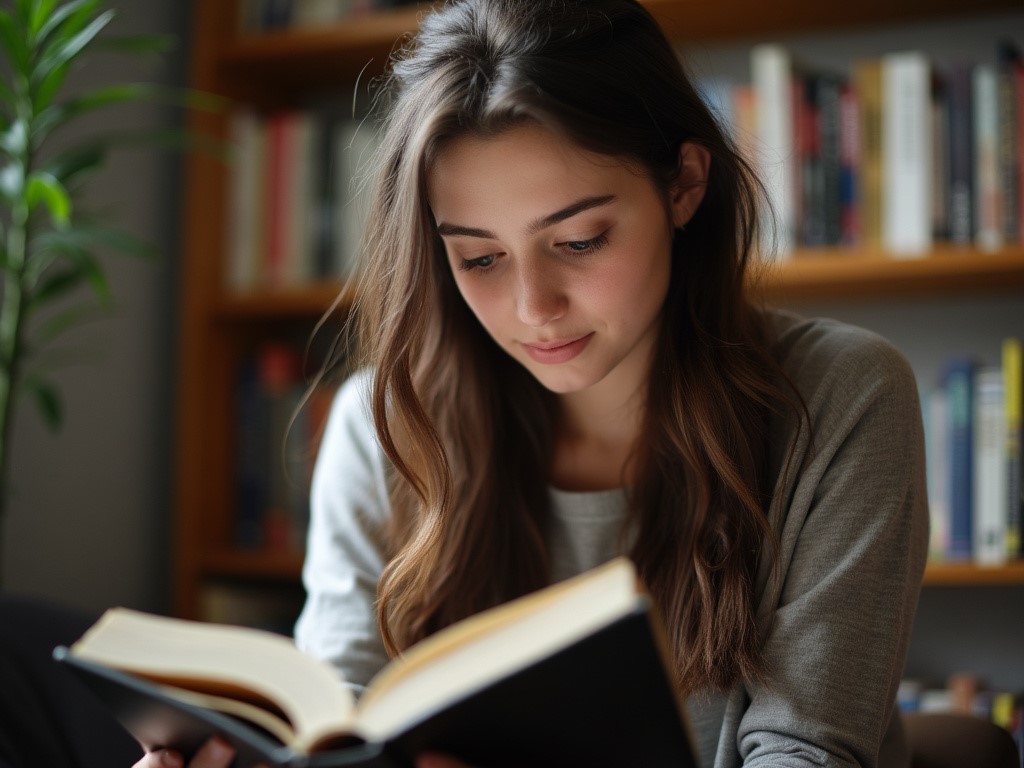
605, 701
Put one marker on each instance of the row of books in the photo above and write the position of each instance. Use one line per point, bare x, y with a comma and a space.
973, 431
897, 152
298, 202
262, 15
279, 422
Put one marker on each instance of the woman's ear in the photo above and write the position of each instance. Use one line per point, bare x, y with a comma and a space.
687, 192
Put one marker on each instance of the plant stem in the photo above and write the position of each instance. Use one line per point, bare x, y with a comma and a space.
12, 311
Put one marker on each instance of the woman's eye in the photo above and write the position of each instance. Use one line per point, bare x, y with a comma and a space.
481, 262
583, 247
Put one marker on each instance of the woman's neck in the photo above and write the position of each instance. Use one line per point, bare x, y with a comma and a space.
597, 430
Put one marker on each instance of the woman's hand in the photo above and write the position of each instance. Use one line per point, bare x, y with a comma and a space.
434, 760
213, 754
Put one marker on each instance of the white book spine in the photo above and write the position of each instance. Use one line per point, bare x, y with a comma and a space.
307, 13
771, 75
246, 179
988, 232
936, 453
356, 144
907, 173
299, 203
990, 479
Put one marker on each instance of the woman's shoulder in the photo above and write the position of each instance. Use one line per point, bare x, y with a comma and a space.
819, 353
350, 421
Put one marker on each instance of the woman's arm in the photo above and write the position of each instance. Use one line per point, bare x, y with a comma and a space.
344, 559
852, 553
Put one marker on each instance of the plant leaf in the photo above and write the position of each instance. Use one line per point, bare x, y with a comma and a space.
85, 9
12, 180
49, 118
46, 91
40, 12
13, 42
62, 51
68, 166
55, 285
137, 44
70, 318
44, 188
47, 400
13, 140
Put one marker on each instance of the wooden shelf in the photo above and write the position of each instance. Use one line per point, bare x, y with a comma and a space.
969, 575
276, 66
808, 275
287, 567
857, 274
258, 565
737, 19
300, 302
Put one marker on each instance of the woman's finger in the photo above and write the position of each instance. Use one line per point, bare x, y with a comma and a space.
434, 760
215, 753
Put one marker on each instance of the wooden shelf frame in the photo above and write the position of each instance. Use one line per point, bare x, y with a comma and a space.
287, 567
833, 275
292, 68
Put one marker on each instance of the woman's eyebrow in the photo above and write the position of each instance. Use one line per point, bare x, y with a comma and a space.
584, 204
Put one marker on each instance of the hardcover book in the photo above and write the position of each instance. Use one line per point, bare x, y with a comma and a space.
575, 674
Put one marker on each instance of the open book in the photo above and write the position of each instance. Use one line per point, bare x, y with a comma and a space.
574, 674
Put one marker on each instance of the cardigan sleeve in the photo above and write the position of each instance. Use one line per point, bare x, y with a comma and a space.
344, 555
852, 547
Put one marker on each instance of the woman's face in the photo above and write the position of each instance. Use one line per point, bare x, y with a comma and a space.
563, 255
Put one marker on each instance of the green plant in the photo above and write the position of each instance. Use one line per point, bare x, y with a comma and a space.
49, 246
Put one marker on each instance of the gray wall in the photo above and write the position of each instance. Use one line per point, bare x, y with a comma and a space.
88, 520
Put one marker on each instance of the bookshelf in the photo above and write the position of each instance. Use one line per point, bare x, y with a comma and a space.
284, 69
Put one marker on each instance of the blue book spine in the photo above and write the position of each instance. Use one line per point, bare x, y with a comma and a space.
959, 386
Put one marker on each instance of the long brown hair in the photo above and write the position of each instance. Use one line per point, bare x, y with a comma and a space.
469, 432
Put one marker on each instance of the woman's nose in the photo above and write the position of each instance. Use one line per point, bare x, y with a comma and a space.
541, 298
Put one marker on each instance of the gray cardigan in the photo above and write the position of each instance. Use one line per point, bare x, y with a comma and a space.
852, 546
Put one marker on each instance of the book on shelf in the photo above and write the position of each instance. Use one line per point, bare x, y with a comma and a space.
988, 208
974, 465
278, 427
990, 485
574, 674
298, 202
1013, 390
898, 152
1010, 97
266, 15
906, 154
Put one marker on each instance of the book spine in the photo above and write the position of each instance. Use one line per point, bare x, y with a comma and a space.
959, 386
961, 157
1008, 147
941, 177
1013, 388
355, 143
849, 161
279, 161
298, 210
868, 86
247, 142
937, 457
988, 233
830, 130
771, 77
990, 482
906, 154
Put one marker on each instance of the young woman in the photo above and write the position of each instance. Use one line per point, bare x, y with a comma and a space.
564, 362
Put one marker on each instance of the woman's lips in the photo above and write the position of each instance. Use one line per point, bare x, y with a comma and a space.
555, 352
